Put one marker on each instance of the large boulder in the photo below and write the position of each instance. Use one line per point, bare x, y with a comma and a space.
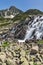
34, 50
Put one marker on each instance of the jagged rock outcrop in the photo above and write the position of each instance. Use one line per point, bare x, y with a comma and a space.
10, 12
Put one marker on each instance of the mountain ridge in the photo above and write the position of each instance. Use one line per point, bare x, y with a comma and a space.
34, 11
10, 11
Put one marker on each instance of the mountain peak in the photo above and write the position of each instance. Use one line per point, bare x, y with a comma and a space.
12, 7
10, 11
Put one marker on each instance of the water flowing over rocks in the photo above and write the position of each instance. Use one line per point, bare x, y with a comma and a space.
35, 29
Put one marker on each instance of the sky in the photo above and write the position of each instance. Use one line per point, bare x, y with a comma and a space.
22, 4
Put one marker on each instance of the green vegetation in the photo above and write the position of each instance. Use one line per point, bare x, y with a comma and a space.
7, 21
33, 12
20, 17
40, 41
4, 21
34, 63
4, 24
26, 14
5, 44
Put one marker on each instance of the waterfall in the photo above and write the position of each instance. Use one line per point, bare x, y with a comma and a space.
37, 26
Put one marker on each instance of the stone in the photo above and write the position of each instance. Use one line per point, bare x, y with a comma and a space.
34, 50
2, 56
9, 54
31, 63
35, 47
22, 52
38, 63
3, 63
10, 62
25, 62
0, 63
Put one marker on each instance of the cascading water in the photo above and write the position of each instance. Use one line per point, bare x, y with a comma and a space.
37, 26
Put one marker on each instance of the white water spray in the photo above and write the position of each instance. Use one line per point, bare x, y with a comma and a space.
36, 25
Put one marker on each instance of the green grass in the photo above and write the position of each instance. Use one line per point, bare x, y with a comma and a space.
4, 21
40, 41
5, 44
20, 17
34, 63
4, 24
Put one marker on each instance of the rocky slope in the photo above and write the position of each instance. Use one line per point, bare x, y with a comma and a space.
21, 54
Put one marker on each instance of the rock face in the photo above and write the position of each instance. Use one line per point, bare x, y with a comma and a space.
21, 29
20, 32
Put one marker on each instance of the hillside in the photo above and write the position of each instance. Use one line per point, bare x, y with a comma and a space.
34, 12
30, 12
